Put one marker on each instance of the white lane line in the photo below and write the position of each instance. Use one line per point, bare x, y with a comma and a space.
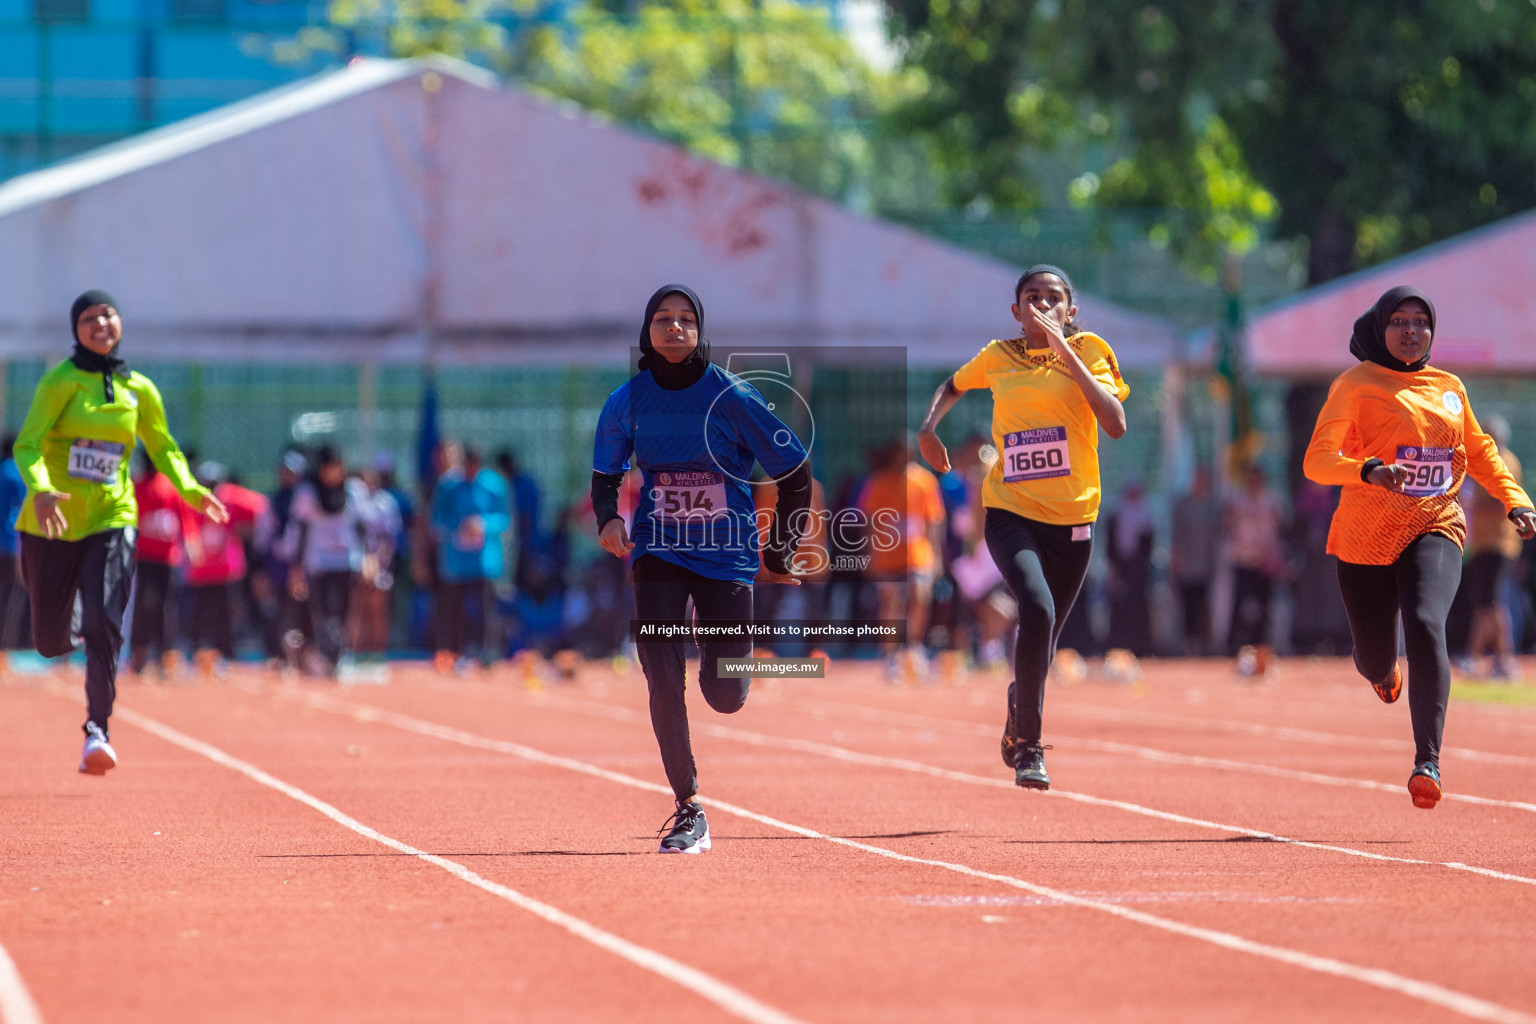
1437, 995
16, 1005
1169, 757
727, 997
918, 767
1279, 732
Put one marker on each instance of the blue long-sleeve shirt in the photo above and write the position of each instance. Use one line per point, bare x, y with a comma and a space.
12, 493
460, 559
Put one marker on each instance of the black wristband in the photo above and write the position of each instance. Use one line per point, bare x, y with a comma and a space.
605, 497
1516, 511
1368, 468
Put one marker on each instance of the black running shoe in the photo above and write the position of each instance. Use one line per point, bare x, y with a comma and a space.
1029, 769
686, 831
1009, 747
1424, 785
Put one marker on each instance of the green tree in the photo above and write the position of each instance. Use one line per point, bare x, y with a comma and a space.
1369, 128
770, 85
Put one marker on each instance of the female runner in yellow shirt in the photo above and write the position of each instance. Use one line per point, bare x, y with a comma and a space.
1052, 389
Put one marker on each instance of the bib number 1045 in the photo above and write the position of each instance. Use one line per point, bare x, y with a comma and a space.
96, 461
1035, 454
1429, 470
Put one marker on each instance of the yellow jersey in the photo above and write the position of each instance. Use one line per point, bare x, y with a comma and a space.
1046, 435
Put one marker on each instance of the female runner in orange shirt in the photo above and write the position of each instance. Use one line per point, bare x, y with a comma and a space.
1399, 436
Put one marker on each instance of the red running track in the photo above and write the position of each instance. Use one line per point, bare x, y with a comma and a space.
444, 849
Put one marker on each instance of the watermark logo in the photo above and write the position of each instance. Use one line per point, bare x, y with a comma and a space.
771, 375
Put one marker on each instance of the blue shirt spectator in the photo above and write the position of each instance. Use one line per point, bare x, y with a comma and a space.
12, 493
469, 515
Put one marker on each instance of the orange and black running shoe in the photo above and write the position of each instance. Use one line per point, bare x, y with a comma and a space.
1424, 785
1391, 688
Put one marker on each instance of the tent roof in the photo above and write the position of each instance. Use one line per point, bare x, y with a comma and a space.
1483, 285
406, 211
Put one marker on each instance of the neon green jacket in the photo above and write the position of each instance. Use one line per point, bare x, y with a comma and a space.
73, 441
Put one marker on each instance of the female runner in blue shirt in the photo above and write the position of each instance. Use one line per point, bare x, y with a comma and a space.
694, 430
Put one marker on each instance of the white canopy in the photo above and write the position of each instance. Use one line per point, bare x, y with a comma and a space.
407, 211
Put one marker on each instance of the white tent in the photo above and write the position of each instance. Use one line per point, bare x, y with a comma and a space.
1483, 285
414, 211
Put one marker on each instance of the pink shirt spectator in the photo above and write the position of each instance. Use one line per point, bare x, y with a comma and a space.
216, 554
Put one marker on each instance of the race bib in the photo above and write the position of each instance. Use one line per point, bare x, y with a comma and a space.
688, 496
1429, 470
96, 461
1035, 454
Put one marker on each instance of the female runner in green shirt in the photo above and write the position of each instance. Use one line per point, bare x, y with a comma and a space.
79, 527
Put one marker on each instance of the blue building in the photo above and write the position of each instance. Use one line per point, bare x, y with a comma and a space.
75, 74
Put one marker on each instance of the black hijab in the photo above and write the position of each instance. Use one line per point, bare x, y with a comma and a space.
94, 362
1369, 342
673, 376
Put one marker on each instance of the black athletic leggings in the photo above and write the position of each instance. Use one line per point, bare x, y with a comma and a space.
1044, 569
662, 590
1421, 585
79, 591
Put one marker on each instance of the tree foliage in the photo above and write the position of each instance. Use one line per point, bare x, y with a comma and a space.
1369, 127
767, 84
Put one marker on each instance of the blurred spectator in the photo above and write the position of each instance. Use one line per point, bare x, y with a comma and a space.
982, 604
15, 613
469, 515
286, 619
1130, 533
165, 521
1318, 623
905, 512
538, 613
812, 564
376, 580
1255, 517
526, 506
327, 522
400, 565
1494, 546
216, 566
1196, 529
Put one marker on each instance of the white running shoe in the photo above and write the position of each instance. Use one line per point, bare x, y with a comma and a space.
98, 756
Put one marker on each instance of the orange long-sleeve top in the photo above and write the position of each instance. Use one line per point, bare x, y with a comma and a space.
1422, 421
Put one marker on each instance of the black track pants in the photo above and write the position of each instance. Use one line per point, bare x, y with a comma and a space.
1044, 569
1421, 585
79, 592
662, 590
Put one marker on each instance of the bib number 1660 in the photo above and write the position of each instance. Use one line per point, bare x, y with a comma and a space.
1024, 462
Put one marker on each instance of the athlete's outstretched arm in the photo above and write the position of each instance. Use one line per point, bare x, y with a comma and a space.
928, 441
